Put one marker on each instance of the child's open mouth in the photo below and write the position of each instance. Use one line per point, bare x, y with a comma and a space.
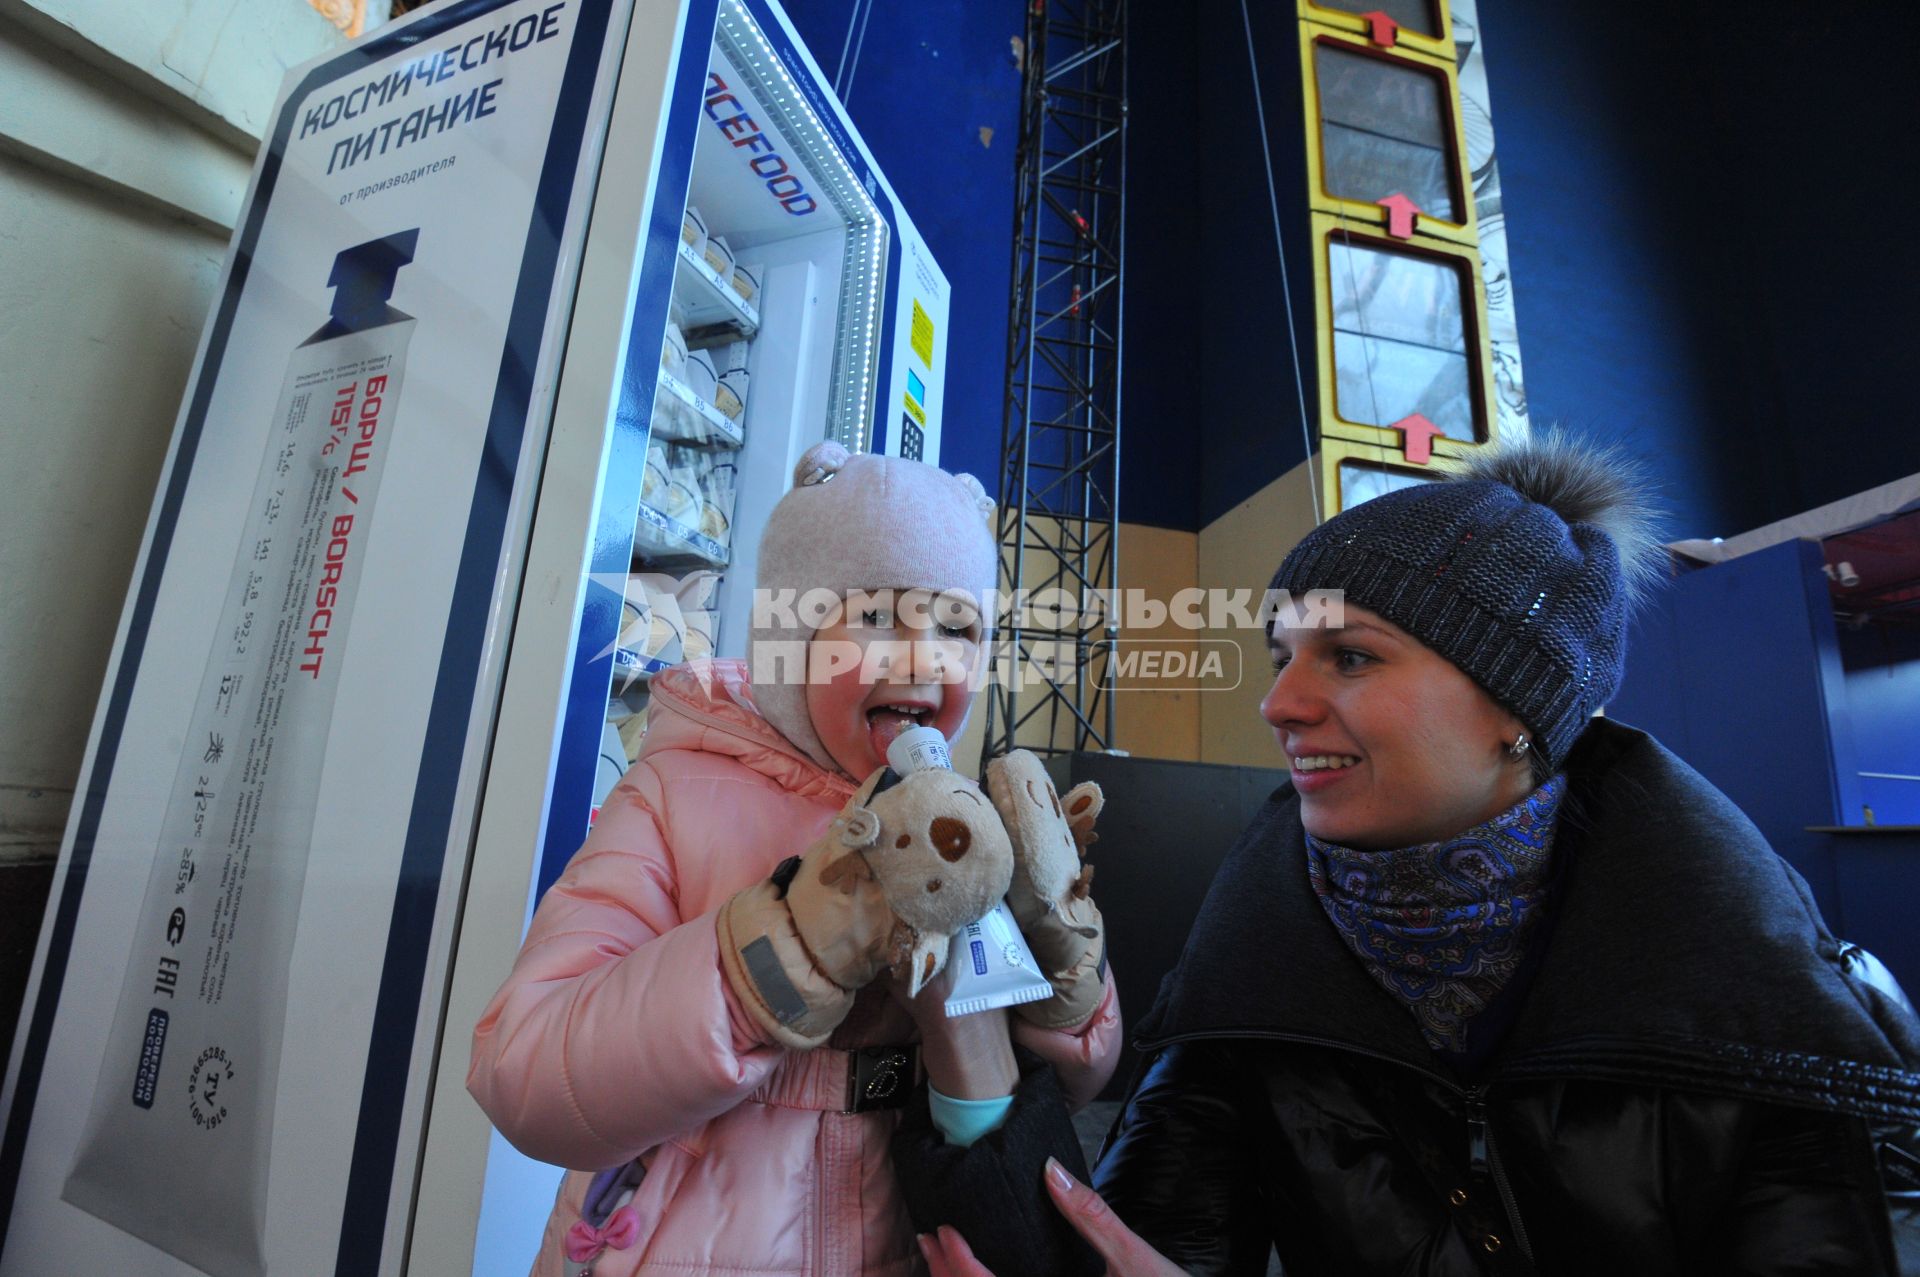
886, 722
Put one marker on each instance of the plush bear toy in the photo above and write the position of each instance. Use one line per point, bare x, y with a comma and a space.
1048, 895
905, 864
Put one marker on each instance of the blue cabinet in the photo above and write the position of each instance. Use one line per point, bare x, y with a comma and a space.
1738, 669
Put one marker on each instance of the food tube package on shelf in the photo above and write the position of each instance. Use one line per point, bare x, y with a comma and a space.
683, 499
716, 499
720, 257
746, 281
666, 620
681, 416
693, 231
730, 366
697, 594
673, 351
653, 639
653, 487
687, 491
702, 378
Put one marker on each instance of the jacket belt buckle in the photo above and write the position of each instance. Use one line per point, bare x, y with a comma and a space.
880, 1077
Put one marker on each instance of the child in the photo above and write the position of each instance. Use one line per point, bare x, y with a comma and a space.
622, 1044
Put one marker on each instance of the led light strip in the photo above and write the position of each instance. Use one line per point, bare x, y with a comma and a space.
850, 398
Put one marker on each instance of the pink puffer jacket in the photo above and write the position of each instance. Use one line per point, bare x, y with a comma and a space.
616, 1036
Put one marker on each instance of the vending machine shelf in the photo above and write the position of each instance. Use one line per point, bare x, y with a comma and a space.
713, 310
661, 540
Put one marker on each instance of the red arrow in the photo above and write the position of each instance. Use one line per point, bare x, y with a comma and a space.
1400, 214
1381, 29
1417, 434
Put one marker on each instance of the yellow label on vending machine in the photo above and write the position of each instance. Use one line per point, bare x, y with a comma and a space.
922, 338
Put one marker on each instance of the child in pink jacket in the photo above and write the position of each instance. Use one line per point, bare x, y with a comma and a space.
702, 1139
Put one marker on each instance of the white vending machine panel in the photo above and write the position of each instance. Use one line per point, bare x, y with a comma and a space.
225, 1057
563, 288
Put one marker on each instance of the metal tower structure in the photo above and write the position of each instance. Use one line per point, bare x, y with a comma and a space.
1060, 431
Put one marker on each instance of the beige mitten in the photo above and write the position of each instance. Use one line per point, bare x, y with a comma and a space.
1049, 896
904, 865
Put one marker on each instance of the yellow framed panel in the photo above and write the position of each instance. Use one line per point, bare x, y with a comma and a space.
1326, 230
1342, 462
1465, 231
1406, 38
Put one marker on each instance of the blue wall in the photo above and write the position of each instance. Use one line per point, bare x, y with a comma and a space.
1622, 336
929, 77
1691, 210
1252, 431
1697, 659
1740, 670
1211, 399
1882, 664
1163, 378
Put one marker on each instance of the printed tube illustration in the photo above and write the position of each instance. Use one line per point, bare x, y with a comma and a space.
178, 1138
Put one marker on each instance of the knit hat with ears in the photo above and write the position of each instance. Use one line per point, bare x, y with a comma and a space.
1522, 571
862, 522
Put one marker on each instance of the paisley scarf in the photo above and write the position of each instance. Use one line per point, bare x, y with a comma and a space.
1443, 926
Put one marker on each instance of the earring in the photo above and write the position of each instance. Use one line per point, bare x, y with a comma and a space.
1519, 747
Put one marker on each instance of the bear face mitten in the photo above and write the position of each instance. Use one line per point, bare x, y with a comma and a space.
905, 864
1049, 893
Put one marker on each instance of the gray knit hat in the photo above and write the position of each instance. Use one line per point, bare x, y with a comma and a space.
1522, 571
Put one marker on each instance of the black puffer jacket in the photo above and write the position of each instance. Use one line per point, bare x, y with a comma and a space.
1695, 1083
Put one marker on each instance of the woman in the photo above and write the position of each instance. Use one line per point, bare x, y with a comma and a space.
1493, 985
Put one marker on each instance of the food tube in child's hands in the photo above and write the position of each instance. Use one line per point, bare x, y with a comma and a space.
990, 965
919, 749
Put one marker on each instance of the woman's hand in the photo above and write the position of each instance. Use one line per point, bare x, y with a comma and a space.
948, 1254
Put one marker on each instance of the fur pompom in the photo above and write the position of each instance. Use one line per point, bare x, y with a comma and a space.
1601, 486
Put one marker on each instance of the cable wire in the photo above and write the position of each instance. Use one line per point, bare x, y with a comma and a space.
846, 94
853, 20
1279, 244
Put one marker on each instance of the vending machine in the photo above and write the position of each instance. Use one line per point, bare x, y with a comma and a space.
531, 309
